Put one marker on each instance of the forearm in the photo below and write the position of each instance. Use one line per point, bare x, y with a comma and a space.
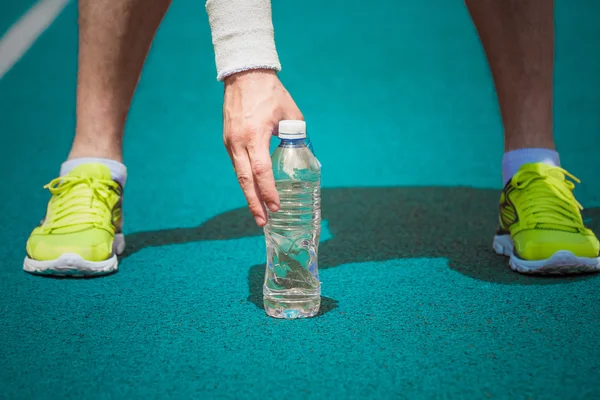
242, 35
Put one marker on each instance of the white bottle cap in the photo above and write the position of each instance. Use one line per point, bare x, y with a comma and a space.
292, 129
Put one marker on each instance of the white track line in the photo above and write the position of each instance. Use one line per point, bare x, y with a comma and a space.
21, 36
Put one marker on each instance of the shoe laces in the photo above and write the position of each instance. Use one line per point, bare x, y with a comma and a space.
549, 202
80, 201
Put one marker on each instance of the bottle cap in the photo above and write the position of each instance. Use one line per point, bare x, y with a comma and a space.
292, 129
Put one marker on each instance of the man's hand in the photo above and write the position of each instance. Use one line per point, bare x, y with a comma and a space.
255, 102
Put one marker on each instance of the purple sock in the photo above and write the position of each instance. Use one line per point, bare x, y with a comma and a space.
513, 160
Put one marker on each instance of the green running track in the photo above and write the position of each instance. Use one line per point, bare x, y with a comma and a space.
402, 112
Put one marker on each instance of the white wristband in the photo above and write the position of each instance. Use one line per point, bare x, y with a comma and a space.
242, 35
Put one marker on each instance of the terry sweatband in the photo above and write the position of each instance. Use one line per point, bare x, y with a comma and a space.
242, 36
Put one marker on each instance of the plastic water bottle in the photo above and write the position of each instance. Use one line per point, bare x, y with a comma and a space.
292, 287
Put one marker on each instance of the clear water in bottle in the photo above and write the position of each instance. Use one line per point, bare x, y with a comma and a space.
292, 287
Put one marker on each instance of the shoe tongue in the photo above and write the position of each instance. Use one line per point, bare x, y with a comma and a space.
551, 171
556, 174
91, 170
544, 169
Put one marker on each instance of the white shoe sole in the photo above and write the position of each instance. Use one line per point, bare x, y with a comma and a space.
561, 263
71, 264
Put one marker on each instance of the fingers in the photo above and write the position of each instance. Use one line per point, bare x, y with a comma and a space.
262, 171
253, 105
243, 170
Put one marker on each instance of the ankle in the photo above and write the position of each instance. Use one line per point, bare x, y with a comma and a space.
104, 154
529, 137
92, 143
524, 145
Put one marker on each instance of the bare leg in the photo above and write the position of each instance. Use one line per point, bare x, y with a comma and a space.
114, 39
518, 38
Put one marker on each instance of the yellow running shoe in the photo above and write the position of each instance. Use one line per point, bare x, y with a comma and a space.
81, 233
541, 228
